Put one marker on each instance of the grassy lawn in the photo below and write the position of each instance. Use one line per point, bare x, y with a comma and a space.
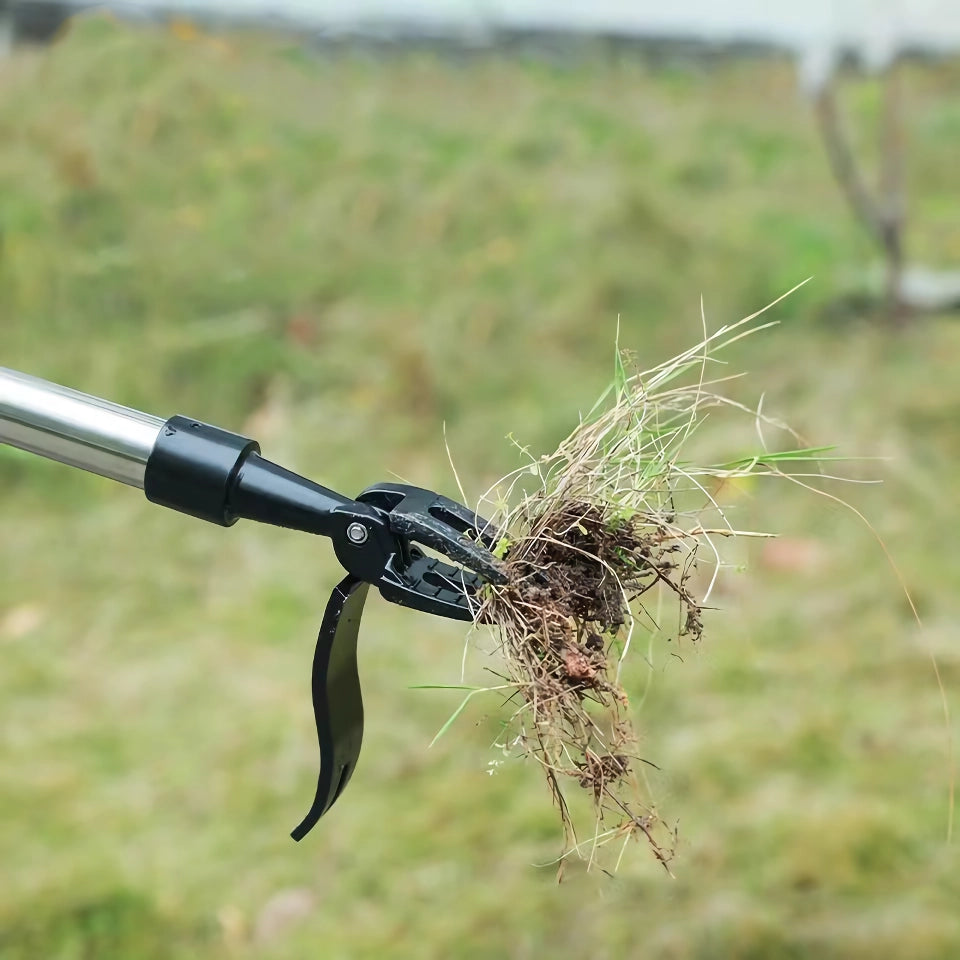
346, 257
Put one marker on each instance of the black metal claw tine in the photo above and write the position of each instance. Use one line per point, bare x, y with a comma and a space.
337, 702
464, 520
430, 585
392, 496
440, 523
425, 529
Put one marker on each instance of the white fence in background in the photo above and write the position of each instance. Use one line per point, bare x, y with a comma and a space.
872, 27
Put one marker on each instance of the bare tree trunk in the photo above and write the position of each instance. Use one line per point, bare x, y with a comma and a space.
893, 205
882, 216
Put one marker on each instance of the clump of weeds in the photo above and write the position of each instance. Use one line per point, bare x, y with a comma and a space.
598, 539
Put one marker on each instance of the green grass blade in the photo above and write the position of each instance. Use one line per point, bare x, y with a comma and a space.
453, 716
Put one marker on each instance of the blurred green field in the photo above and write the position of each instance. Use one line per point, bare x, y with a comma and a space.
344, 256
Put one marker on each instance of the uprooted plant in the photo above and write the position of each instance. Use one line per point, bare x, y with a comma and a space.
614, 518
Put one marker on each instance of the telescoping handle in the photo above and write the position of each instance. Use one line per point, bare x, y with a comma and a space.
75, 428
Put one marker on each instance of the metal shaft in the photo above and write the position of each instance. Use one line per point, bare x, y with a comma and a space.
75, 428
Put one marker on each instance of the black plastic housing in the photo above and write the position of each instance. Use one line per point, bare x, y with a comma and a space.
193, 467
216, 475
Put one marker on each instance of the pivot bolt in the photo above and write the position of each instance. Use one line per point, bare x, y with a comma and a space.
357, 533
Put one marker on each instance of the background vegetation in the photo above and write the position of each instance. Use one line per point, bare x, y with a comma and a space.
341, 255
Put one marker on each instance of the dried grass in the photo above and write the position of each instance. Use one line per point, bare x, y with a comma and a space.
589, 535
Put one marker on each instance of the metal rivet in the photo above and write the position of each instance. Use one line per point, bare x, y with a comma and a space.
357, 533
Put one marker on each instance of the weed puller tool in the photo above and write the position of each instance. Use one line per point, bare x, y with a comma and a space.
219, 476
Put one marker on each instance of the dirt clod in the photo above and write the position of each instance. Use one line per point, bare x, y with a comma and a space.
562, 616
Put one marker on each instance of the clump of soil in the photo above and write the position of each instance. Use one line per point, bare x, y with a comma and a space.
564, 617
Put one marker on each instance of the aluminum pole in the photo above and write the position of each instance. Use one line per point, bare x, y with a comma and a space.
75, 428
